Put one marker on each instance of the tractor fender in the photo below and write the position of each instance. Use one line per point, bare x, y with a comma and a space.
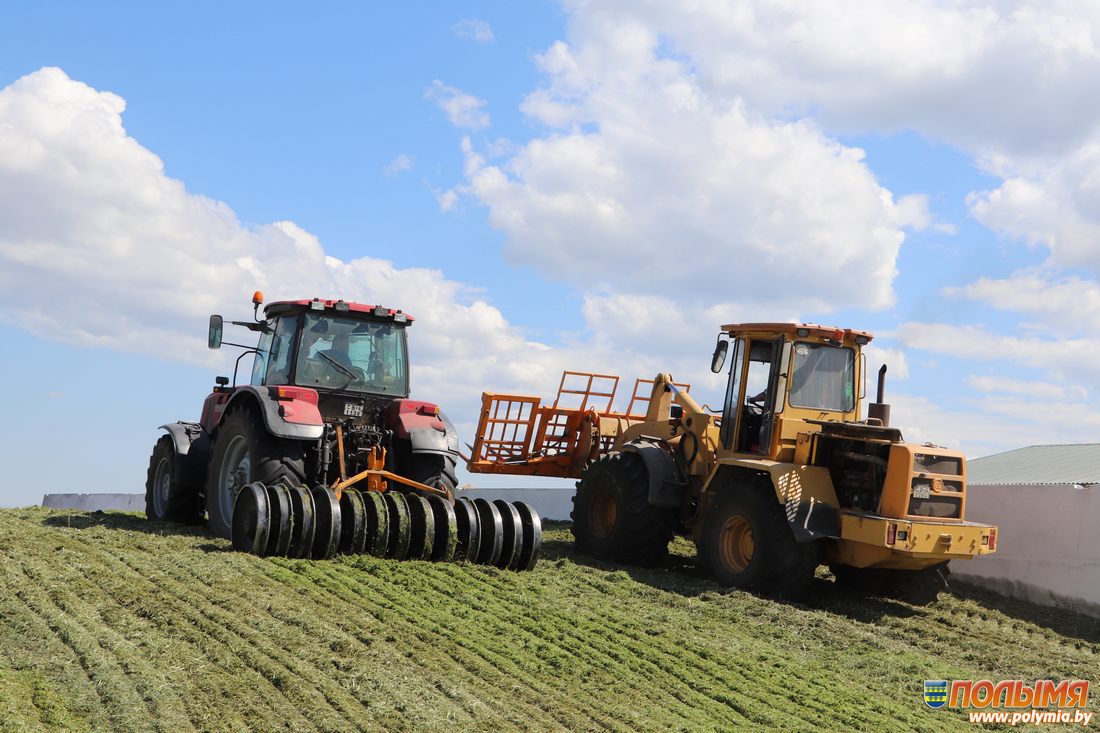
192, 445
806, 494
426, 428
307, 424
666, 480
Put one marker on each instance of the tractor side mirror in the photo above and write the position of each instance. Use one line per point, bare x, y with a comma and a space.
214, 338
719, 359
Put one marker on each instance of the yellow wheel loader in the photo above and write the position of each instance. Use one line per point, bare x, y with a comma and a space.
782, 477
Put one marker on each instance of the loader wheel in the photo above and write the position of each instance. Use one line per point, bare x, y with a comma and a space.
468, 530
612, 516
251, 520
397, 507
919, 587
512, 537
532, 536
378, 523
491, 527
421, 527
747, 542
166, 500
244, 451
328, 523
446, 529
303, 524
278, 502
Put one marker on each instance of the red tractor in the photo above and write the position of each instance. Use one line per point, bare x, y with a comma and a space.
325, 427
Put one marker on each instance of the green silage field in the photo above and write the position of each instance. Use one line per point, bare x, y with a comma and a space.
110, 623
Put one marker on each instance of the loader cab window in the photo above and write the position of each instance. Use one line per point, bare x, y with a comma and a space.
750, 396
823, 377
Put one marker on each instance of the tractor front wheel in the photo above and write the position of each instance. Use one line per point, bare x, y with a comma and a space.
166, 499
244, 451
612, 516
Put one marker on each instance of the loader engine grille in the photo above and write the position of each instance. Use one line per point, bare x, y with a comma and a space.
941, 507
943, 465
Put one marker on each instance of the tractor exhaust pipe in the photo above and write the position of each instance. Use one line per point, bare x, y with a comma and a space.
878, 412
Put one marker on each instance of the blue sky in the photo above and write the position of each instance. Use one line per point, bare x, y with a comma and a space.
545, 185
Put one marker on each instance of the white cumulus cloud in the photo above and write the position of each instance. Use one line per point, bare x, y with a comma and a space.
462, 109
473, 29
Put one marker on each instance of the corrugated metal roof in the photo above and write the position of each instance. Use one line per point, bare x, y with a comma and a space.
1038, 464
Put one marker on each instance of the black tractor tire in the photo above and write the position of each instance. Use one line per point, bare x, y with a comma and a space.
612, 517
747, 542
512, 542
431, 470
400, 524
278, 502
919, 587
532, 536
468, 530
353, 517
303, 525
446, 529
251, 520
378, 523
257, 455
491, 541
166, 499
328, 523
421, 528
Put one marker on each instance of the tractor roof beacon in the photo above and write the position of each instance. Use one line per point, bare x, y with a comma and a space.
782, 478
322, 450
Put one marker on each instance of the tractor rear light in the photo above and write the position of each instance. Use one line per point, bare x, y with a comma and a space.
316, 304
341, 306
294, 393
891, 534
429, 410
400, 317
993, 539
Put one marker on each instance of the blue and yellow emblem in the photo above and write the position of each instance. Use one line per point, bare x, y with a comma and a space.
935, 693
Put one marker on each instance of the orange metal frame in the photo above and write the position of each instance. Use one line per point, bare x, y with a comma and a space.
517, 434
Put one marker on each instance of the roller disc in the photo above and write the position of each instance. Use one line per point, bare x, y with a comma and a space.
492, 532
532, 536
251, 520
446, 529
326, 536
353, 522
468, 530
421, 526
278, 506
512, 536
378, 523
302, 523
398, 509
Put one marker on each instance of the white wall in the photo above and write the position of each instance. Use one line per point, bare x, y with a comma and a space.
1048, 544
549, 503
96, 502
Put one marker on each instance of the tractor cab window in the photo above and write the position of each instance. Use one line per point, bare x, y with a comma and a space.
351, 354
273, 352
823, 377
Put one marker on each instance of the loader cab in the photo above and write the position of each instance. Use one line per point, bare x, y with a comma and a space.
351, 349
782, 374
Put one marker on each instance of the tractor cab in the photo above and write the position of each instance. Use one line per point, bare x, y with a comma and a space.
333, 346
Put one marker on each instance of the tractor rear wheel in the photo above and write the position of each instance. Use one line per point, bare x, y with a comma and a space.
166, 500
612, 516
747, 542
430, 470
244, 451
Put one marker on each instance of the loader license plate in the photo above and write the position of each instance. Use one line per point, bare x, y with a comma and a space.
353, 409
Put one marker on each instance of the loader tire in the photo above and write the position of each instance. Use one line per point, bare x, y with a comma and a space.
244, 451
747, 542
919, 587
612, 516
166, 499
